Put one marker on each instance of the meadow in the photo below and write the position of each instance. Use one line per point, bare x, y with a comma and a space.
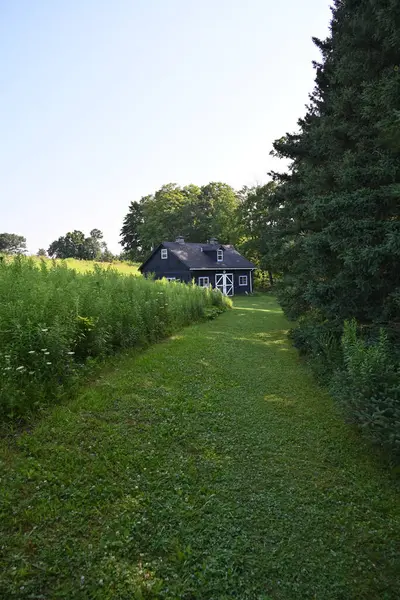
83, 266
209, 466
54, 321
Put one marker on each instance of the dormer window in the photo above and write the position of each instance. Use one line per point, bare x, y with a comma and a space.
220, 255
164, 253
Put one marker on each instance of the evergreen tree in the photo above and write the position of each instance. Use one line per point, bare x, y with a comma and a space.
131, 237
338, 208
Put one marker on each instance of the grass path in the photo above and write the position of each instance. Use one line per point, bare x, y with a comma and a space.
209, 466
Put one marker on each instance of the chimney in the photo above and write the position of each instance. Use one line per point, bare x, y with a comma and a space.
180, 240
213, 241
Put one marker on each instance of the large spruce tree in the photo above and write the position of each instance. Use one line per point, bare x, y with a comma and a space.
338, 208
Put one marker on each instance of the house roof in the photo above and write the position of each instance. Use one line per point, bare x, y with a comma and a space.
199, 256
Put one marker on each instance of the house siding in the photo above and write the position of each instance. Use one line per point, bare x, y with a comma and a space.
243, 289
166, 267
238, 289
174, 267
203, 273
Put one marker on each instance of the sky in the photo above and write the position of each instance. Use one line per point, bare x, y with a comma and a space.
104, 101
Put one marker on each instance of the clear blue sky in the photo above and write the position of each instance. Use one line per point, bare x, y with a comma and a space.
103, 101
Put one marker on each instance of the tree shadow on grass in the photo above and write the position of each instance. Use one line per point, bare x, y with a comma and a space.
276, 311
277, 339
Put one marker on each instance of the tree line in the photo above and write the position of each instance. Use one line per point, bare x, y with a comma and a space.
199, 213
336, 212
74, 244
334, 217
196, 213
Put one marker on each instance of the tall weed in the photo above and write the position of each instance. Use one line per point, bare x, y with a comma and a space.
368, 387
320, 341
53, 319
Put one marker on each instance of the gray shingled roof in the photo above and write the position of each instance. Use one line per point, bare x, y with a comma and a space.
195, 256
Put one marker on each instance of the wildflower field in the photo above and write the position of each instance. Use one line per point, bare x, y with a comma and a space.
83, 266
53, 320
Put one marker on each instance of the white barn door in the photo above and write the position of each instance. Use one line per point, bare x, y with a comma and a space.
224, 283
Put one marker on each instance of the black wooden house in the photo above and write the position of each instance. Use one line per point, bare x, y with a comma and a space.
218, 265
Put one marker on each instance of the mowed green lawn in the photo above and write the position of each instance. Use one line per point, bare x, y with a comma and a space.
209, 466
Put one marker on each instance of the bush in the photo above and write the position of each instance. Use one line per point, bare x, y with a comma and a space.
368, 387
53, 319
262, 281
319, 340
361, 368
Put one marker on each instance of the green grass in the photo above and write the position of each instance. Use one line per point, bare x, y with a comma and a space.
84, 266
55, 321
208, 466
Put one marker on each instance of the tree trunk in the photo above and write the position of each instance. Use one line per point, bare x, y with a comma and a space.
271, 279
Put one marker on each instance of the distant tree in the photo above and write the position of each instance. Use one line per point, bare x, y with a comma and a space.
68, 246
11, 243
131, 239
196, 213
163, 215
96, 234
75, 245
107, 256
41, 252
257, 226
91, 249
124, 256
57, 248
216, 211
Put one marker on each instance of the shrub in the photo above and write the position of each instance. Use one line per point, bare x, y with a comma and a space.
53, 319
368, 387
319, 340
262, 281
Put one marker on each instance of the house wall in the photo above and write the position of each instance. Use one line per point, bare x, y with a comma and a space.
203, 273
166, 267
238, 289
242, 289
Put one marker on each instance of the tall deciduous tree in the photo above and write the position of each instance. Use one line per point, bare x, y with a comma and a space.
11, 243
197, 213
256, 226
75, 245
218, 203
163, 215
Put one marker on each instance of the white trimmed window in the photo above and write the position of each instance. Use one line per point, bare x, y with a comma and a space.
243, 280
203, 282
164, 253
220, 255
